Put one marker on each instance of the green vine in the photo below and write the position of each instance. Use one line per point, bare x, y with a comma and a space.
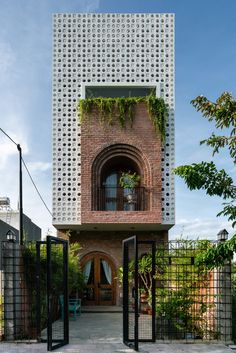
122, 109
218, 255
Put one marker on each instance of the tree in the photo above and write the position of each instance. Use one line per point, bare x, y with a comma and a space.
205, 175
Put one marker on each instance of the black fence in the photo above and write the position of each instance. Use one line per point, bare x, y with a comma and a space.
191, 303
30, 275
18, 293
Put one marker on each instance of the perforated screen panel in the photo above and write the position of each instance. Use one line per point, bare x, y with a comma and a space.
98, 49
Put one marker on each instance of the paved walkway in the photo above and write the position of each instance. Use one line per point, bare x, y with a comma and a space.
116, 348
102, 333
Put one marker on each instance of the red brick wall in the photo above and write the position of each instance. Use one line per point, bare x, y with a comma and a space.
110, 243
95, 138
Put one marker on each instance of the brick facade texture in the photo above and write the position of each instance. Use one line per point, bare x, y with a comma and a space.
95, 138
110, 243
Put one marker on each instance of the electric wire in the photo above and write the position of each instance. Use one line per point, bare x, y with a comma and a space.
9, 137
41, 198
28, 172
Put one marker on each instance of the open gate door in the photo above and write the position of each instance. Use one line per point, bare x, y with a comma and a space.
52, 292
138, 326
130, 293
57, 292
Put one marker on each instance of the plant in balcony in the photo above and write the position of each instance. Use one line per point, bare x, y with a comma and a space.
129, 181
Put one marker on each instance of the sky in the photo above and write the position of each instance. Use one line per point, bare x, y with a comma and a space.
205, 50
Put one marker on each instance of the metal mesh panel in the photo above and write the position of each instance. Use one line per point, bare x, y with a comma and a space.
31, 274
130, 297
146, 270
18, 293
42, 290
191, 303
57, 292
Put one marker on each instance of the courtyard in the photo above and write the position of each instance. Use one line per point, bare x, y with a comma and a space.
102, 333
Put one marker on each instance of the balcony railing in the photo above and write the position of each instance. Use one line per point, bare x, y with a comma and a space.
119, 199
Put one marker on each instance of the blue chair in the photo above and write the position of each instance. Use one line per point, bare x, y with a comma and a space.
74, 307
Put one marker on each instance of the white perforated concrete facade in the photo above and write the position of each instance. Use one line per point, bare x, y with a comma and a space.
135, 49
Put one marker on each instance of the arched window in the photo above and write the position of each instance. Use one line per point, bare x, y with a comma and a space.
115, 196
107, 193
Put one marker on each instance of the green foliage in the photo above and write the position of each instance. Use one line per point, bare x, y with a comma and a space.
75, 277
122, 109
205, 174
182, 293
234, 302
181, 287
229, 210
218, 255
223, 113
157, 111
129, 180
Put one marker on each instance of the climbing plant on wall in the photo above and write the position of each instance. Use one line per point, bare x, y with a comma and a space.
122, 110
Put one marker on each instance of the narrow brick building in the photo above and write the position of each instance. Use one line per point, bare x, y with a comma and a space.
111, 56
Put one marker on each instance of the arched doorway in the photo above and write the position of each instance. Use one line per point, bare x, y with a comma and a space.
99, 273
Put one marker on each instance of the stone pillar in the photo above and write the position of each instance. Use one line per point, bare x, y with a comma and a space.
224, 297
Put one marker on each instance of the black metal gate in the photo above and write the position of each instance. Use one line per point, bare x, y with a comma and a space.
34, 289
130, 292
147, 278
137, 325
52, 292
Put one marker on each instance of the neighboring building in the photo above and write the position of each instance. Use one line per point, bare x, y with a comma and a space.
4, 228
111, 55
10, 219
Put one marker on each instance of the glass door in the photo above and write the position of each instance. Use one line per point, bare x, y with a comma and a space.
99, 275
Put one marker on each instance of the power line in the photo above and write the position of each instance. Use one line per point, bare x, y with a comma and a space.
37, 190
9, 137
36, 187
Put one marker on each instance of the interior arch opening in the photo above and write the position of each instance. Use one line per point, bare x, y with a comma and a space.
115, 197
108, 166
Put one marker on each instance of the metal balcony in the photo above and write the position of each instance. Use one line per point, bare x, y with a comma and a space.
111, 198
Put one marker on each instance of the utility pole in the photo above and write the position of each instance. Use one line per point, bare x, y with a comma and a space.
20, 196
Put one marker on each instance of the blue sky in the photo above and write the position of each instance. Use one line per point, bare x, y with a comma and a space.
205, 64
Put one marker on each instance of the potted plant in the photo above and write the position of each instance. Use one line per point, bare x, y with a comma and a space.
129, 181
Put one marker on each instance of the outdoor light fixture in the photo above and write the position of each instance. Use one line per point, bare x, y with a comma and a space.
222, 235
11, 236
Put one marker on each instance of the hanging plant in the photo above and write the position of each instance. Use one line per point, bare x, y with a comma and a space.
122, 109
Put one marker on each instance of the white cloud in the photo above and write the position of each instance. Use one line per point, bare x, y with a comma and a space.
91, 5
200, 228
9, 149
7, 58
39, 166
